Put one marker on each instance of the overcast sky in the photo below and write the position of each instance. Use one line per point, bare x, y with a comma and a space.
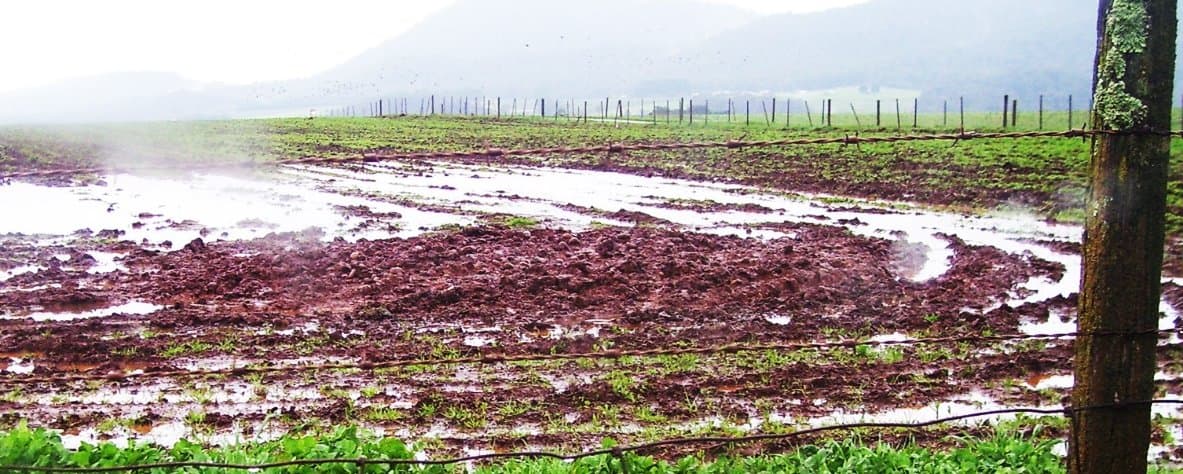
234, 41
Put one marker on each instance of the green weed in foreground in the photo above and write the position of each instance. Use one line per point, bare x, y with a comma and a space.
1002, 453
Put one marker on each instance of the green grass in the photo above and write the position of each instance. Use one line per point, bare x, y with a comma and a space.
1001, 453
186, 348
520, 222
1044, 176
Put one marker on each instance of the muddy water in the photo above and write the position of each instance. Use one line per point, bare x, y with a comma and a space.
402, 200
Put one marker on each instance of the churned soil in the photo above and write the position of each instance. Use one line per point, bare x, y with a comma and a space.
716, 289
293, 299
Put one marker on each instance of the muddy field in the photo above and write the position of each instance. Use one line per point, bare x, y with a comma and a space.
306, 265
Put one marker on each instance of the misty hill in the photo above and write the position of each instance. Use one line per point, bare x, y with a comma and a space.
116, 96
647, 48
534, 47
976, 48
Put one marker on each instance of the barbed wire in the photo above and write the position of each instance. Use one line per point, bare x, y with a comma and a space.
613, 451
848, 139
606, 354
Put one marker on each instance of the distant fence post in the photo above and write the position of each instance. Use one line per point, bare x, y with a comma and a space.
878, 114
1014, 113
915, 111
808, 114
857, 123
898, 123
691, 111
1070, 111
945, 114
681, 109
748, 113
1041, 111
544, 108
1005, 109
774, 110
830, 113
498, 108
788, 112
961, 102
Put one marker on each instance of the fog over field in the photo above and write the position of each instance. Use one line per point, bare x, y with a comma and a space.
979, 49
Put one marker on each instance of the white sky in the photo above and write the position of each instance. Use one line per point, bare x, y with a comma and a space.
235, 41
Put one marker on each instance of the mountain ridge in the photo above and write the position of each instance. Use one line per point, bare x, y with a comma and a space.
979, 49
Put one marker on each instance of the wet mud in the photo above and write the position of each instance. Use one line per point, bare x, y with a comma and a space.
430, 274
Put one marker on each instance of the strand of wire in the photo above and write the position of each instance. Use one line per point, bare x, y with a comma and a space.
608, 148
616, 451
608, 354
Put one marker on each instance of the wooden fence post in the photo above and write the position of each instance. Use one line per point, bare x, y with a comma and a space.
1125, 221
878, 114
1070, 112
1041, 111
1005, 109
788, 112
898, 124
915, 111
961, 101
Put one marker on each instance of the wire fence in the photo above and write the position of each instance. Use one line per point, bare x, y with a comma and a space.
861, 109
415, 360
608, 354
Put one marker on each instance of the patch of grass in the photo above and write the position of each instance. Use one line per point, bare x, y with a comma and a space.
471, 417
383, 414
515, 408
520, 222
623, 384
186, 348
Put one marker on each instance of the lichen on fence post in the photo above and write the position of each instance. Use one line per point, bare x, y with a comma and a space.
1127, 29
